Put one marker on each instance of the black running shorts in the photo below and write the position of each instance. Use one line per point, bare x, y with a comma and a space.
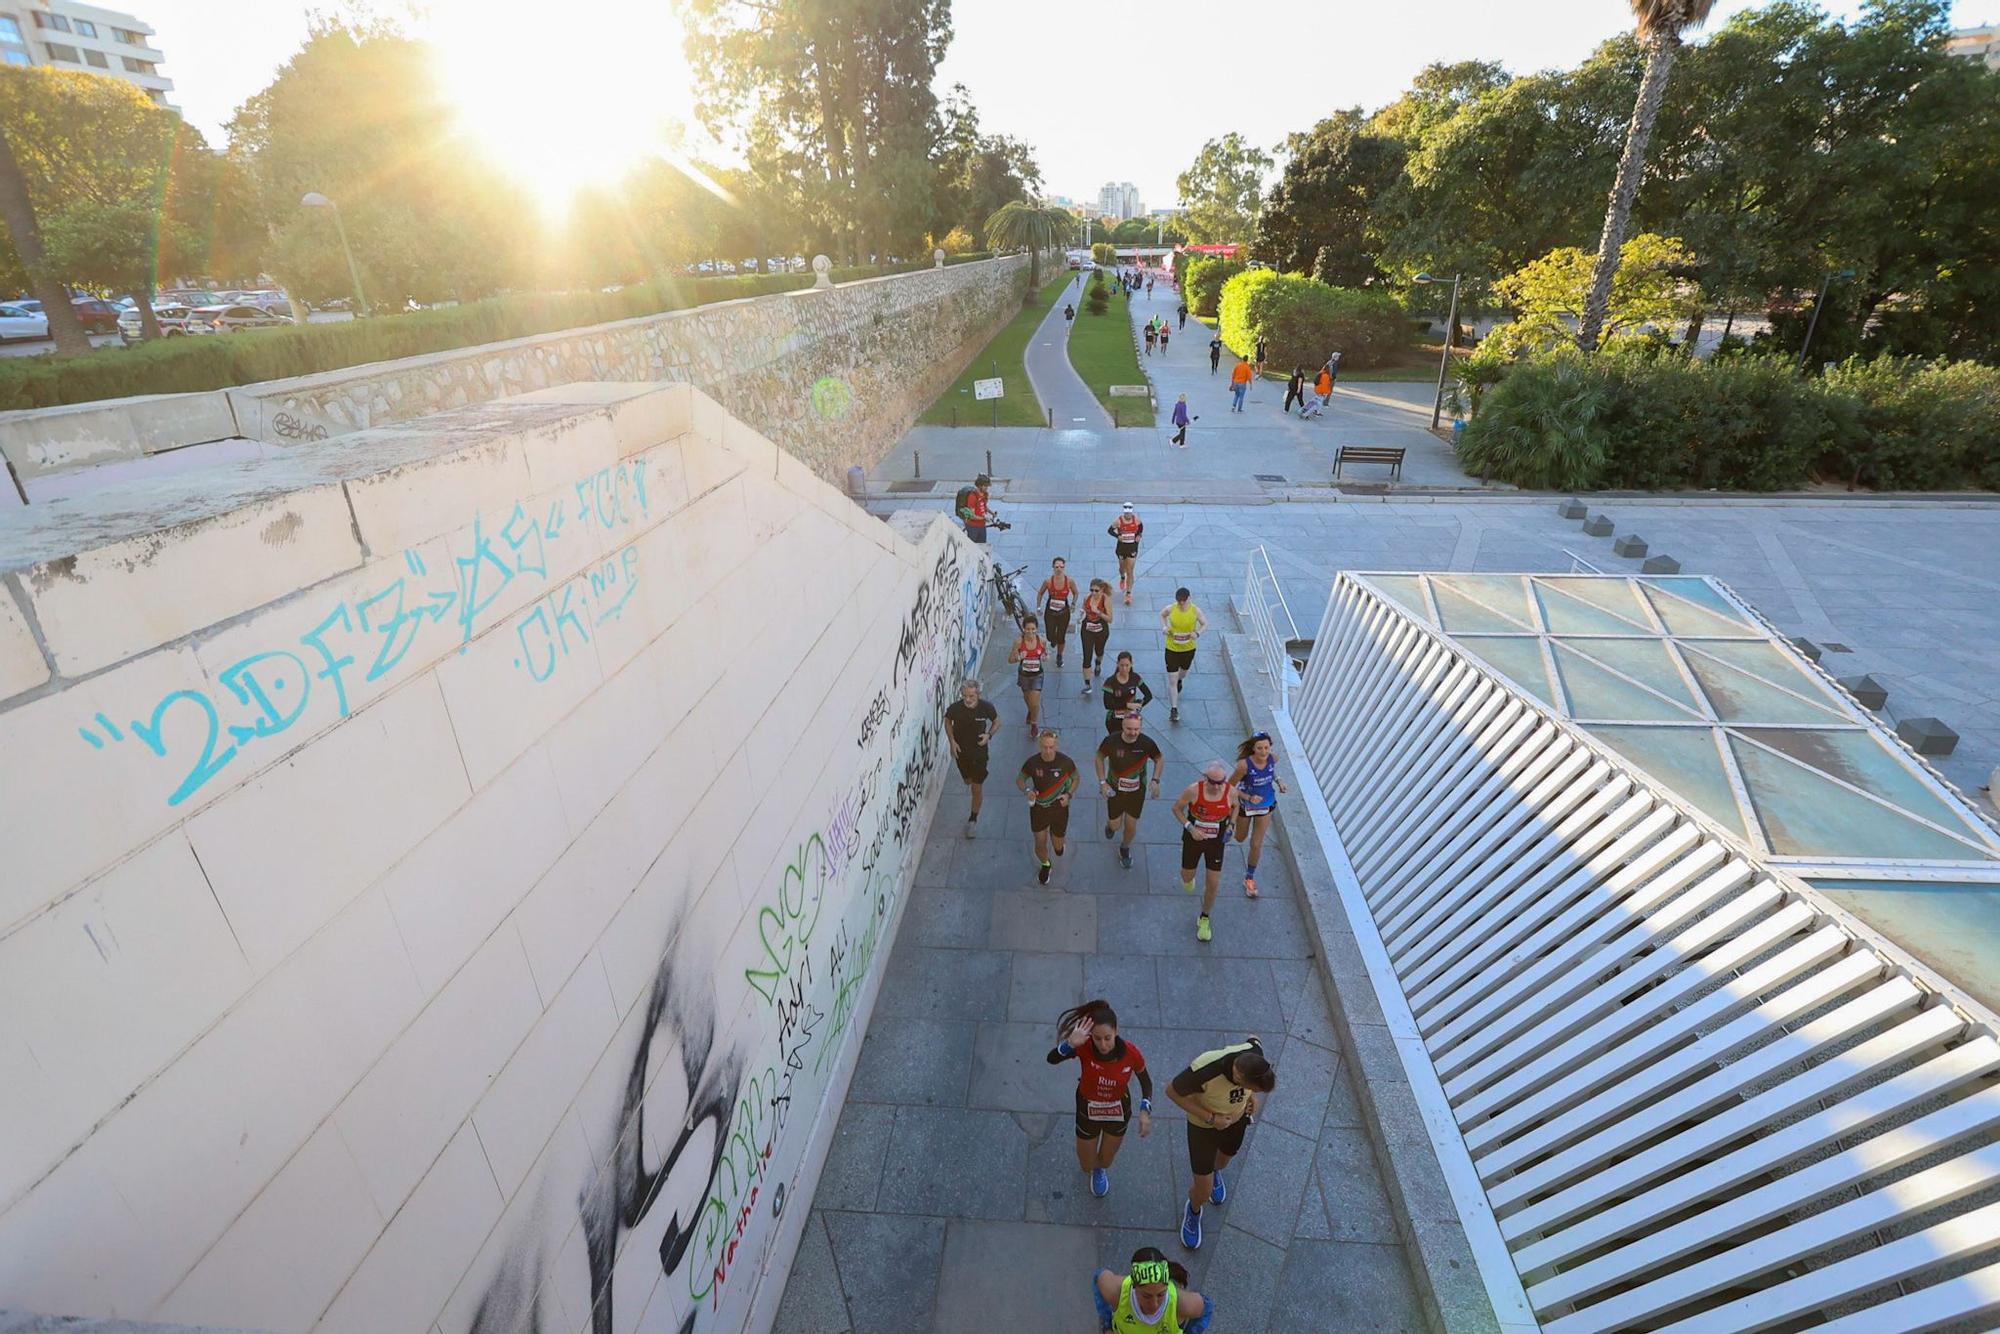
1088, 1127
1055, 819
1205, 1142
972, 763
1179, 659
1122, 804
1194, 851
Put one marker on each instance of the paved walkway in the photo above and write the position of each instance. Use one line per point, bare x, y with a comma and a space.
1056, 382
952, 1199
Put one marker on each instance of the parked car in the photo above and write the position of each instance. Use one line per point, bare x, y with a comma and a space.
97, 317
230, 318
172, 319
17, 321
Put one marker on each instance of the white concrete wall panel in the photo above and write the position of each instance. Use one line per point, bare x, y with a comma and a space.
494, 910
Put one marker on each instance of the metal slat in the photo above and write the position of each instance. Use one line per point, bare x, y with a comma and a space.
1948, 1303
1487, 714
1414, 757
1935, 1078
1405, 699
1440, 828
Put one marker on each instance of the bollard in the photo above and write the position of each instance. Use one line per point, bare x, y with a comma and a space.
989, 463
1052, 419
917, 462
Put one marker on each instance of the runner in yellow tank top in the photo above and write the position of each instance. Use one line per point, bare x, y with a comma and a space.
1183, 623
1153, 1298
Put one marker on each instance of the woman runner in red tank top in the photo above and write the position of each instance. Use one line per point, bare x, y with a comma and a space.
1028, 651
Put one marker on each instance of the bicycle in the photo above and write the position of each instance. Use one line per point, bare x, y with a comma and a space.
1009, 595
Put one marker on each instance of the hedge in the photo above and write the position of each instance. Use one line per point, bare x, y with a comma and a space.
222, 361
1304, 321
1201, 284
1567, 421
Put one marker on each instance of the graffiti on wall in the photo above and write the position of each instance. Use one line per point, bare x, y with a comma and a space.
309, 678
706, 1134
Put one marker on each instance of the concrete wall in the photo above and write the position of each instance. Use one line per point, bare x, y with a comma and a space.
834, 376
448, 869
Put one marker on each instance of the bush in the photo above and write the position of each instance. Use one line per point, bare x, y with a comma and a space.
1098, 299
1103, 252
1305, 321
1633, 420
221, 361
1201, 285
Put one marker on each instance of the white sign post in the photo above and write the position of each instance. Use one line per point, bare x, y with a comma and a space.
985, 389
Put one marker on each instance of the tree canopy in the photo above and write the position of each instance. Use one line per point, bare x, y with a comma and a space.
1222, 191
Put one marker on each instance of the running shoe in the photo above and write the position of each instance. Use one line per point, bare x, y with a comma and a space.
1201, 931
971, 826
1086, 687
1125, 858
1100, 1182
1128, 599
1249, 886
1187, 886
1043, 874
1218, 1192
1109, 830
1190, 1226
1173, 715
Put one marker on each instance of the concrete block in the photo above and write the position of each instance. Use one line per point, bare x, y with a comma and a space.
1806, 648
22, 666
103, 990
1927, 736
283, 1260
1597, 525
512, 685
329, 820
644, 414
408, 1105
1867, 691
423, 498
596, 749
457, 885
1573, 509
105, 603
411, 1271
579, 444
276, 413
42, 441
1660, 565
83, 482
524, 1104
1630, 546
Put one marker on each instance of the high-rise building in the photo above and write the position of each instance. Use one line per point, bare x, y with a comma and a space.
1981, 44
65, 35
1120, 199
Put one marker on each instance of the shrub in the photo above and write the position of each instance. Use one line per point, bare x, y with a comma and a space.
1918, 425
1542, 425
1098, 299
1201, 285
1103, 252
1304, 320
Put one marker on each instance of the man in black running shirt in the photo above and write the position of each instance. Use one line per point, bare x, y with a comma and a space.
969, 724
1122, 762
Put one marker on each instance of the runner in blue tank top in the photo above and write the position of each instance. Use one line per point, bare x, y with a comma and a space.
1256, 777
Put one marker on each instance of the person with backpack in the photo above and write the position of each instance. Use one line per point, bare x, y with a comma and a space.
975, 510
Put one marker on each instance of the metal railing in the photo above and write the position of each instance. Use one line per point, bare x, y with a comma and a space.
1270, 623
1578, 565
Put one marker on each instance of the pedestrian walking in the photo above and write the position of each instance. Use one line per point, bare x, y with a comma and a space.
1332, 371
1239, 384
1152, 1298
1181, 420
1149, 289
969, 724
1323, 386
1182, 313
1295, 389
1220, 1092
1263, 352
1069, 313
975, 512
1047, 779
1089, 1033
1214, 353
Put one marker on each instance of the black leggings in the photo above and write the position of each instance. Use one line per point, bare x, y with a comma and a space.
1056, 623
1093, 645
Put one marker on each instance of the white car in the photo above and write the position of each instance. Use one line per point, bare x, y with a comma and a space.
229, 318
172, 319
20, 322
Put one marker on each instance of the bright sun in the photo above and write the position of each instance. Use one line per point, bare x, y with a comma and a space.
563, 107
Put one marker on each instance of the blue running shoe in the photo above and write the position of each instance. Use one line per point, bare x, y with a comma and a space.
1219, 1192
1190, 1226
1100, 1182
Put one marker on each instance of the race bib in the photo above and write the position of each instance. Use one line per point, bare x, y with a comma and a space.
1128, 784
1031, 664
1207, 829
1104, 1111
1058, 604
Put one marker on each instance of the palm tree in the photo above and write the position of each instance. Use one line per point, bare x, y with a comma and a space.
1031, 227
1660, 24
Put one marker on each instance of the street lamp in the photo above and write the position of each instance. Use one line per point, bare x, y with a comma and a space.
1818, 305
314, 199
1450, 321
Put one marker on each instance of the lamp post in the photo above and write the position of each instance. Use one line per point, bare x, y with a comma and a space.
1812, 324
1450, 321
314, 199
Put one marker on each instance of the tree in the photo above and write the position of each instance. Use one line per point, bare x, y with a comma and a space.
1034, 228
1325, 199
1223, 190
1660, 24
1549, 294
977, 173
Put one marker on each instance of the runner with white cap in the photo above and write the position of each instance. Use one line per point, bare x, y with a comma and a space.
1125, 530
1204, 810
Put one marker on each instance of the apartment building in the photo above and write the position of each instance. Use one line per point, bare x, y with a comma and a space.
1120, 199
1981, 44
66, 35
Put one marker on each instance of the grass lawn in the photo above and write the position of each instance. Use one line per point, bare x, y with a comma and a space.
1102, 350
1018, 406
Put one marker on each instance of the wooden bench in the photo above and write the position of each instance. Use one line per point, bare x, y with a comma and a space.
1369, 454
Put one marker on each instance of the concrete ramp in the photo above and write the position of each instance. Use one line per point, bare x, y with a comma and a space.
445, 872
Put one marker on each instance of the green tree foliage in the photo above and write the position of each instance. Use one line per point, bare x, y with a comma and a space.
1304, 321
1035, 228
977, 172
1319, 217
1103, 252
1650, 291
1202, 283
1222, 191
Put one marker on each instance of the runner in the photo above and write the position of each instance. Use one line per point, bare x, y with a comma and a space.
1203, 812
1125, 532
1166, 332
969, 724
1184, 623
1095, 628
1121, 776
1056, 597
1089, 1032
1152, 337
1047, 779
1256, 781
1218, 1091
1028, 651
1125, 692
1153, 1298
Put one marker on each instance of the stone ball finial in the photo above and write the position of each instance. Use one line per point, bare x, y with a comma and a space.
938, 255
824, 268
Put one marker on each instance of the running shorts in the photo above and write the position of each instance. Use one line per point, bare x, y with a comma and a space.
972, 763
1194, 851
1054, 818
1029, 680
1206, 1142
1179, 659
1122, 804
1095, 1118
1125, 550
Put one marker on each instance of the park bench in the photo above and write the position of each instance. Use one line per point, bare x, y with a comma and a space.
1369, 454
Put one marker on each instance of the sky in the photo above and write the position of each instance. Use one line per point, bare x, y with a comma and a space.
1131, 97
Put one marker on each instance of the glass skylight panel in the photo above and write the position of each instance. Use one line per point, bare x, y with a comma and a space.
1572, 616
1685, 760
1519, 659
1739, 697
1644, 660
1463, 615
1857, 757
1683, 617
1620, 597
1762, 658
1504, 593
1804, 815
1596, 694
1407, 591
1700, 591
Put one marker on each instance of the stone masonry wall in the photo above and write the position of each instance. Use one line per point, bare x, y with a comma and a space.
446, 872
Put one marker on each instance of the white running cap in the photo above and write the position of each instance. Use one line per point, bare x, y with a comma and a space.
1127, 507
